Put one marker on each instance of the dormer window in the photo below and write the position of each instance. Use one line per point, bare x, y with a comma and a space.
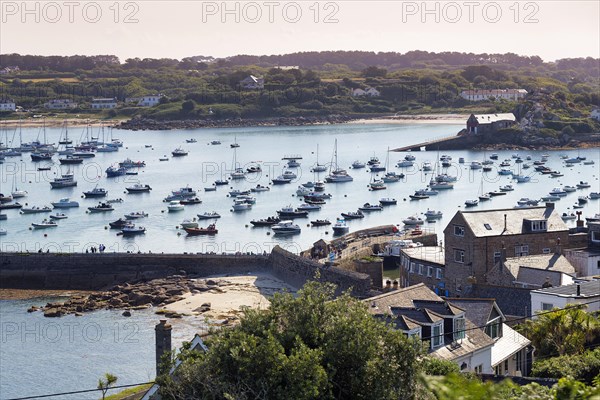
414, 333
494, 328
460, 326
540, 225
437, 335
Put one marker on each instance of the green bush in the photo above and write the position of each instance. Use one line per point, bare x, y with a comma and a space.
582, 367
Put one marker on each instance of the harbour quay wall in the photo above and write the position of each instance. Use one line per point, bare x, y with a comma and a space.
101, 270
59, 271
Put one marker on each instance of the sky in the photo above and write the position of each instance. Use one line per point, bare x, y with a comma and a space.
177, 29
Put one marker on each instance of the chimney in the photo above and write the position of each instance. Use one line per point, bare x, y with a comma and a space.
579, 221
550, 205
503, 253
578, 290
504, 224
558, 247
163, 341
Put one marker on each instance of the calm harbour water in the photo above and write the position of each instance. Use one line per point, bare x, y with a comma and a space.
50, 364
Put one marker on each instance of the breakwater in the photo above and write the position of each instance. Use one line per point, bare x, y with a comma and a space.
102, 271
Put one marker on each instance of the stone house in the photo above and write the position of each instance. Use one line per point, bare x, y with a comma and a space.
475, 241
423, 264
489, 123
469, 332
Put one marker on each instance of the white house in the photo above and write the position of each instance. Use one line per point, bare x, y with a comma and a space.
7, 105
104, 103
60, 104
587, 260
369, 91
595, 114
149, 101
9, 70
558, 297
252, 82
480, 95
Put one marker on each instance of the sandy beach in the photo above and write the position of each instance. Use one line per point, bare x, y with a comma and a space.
253, 290
416, 119
56, 122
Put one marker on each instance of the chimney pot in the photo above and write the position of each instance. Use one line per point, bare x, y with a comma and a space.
578, 289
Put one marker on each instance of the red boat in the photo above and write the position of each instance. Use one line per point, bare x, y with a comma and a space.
210, 230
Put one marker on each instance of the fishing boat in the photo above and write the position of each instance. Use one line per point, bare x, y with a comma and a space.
290, 212
8, 206
353, 215
220, 182
266, 222
412, 221
340, 227
320, 222
96, 192
309, 207
41, 156
101, 207
209, 215
376, 168
132, 229
138, 188
387, 201
260, 188
336, 174
254, 169
129, 163
44, 224
371, 207
179, 152
192, 140
70, 159
182, 193
58, 216
66, 180
281, 180
215, 142
358, 164
136, 215
286, 228
112, 171
175, 206
35, 209
392, 176
419, 195
209, 230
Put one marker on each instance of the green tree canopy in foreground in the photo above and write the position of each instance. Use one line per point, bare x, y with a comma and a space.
307, 347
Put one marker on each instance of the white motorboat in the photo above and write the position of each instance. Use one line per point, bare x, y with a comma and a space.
476, 165
377, 185
66, 180
309, 207
287, 174
254, 169
429, 192
136, 215
210, 189
18, 193
432, 214
260, 188
568, 217
569, 189
188, 223
413, 220
358, 164
391, 177
96, 192
340, 227
241, 205
247, 198
404, 164
163, 158
577, 205
507, 188
238, 192
44, 224
58, 216
558, 192
175, 206
286, 228
319, 186
35, 210
445, 178
3, 232
302, 191
440, 185
192, 140
471, 202
238, 173
309, 184
370, 207
427, 167
410, 157
101, 207
65, 203
280, 180
522, 178
505, 171
138, 188
594, 195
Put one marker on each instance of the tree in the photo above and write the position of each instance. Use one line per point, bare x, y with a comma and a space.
106, 382
188, 106
307, 347
374, 72
560, 332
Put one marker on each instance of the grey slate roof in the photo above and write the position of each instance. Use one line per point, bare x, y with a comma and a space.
588, 289
476, 310
476, 220
404, 297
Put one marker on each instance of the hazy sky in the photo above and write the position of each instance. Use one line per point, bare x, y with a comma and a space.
176, 29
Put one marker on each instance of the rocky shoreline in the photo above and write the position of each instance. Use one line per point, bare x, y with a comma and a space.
136, 296
136, 124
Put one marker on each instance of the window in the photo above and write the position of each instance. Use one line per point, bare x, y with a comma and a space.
521, 251
595, 236
460, 231
547, 306
546, 250
506, 366
488, 227
437, 336
439, 273
429, 272
479, 369
459, 328
538, 226
459, 256
494, 328
416, 333
497, 257
420, 269
519, 360
412, 267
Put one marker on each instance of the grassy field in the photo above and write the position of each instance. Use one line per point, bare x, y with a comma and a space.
130, 393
